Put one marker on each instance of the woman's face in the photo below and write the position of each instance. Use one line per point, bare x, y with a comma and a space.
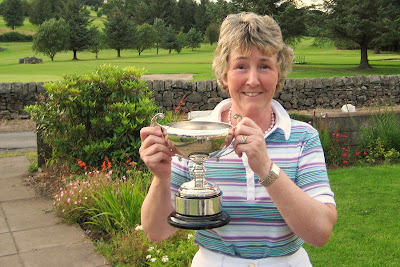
251, 81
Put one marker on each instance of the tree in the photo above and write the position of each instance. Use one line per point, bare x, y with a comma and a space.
365, 22
218, 10
52, 37
98, 43
212, 33
146, 36
193, 38
186, 9
163, 9
78, 19
290, 18
95, 3
202, 17
181, 41
169, 39
13, 13
42, 10
160, 26
120, 31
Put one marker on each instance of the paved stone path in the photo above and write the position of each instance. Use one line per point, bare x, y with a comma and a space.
17, 140
31, 235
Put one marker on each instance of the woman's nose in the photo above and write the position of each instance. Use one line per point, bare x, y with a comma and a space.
253, 79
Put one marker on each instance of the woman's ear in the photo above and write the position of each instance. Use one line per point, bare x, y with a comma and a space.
224, 81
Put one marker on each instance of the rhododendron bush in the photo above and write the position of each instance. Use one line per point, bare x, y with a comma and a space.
94, 116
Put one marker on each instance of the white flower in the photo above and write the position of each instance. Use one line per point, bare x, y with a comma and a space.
148, 257
158, 251
138, 228
151, 249
164, 259
153, 259
190, 236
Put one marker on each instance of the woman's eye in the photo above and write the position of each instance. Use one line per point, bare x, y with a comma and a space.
264, 66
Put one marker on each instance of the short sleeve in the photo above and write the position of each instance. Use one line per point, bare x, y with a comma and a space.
312, 175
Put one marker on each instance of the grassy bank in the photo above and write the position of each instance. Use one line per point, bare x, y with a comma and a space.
367, 232
323, 61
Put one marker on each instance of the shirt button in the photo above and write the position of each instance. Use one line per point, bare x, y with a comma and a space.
252, 265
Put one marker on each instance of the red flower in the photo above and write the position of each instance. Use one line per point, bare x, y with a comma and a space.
365, 153
345, 162
337, 135
81, 163
103, 166
358, 153
344, 155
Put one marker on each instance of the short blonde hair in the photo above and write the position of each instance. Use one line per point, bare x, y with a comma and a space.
245, 30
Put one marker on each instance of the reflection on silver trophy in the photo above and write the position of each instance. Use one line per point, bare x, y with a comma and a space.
198, 202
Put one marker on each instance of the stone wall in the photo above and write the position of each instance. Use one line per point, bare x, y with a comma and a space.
15, 96
349, 123
297, 94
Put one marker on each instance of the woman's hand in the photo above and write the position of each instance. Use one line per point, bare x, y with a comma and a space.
155, 152
249, 139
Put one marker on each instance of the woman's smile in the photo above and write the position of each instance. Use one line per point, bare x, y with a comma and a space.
251, 94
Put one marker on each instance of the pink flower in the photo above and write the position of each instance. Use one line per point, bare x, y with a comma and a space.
68, 200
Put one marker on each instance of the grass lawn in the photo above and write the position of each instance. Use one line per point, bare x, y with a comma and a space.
368, 229
325, 61
320, 62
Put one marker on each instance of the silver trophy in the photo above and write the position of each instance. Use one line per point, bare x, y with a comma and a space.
198, 202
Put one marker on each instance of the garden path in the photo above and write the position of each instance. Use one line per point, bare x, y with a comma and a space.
30, 232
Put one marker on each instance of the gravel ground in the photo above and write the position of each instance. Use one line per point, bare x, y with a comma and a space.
17, 125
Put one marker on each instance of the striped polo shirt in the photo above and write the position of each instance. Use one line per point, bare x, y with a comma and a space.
257, 229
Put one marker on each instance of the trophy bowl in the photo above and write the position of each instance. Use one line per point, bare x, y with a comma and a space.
198, 202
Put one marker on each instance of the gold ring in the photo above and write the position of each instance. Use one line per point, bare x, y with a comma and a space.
244, 139
237, 116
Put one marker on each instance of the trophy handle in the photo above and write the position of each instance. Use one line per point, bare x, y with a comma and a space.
155, 123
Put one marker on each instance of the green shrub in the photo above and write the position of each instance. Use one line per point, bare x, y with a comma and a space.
15, 37
101, 203
336, 146
94, 116
381, 138
134, 249
301, 117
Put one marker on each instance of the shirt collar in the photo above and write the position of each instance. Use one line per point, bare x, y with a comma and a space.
282, 119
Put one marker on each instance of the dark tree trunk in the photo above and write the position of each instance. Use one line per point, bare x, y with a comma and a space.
75, 57
118, 52
364, 57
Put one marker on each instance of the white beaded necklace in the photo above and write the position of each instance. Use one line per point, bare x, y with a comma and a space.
270, 127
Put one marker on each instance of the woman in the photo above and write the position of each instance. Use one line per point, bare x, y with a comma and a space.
275, 186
